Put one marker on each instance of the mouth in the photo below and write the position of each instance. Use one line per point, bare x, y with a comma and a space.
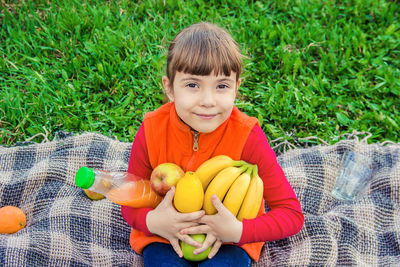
206, 116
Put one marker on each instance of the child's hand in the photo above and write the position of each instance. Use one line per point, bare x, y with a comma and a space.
220, 227
166, 222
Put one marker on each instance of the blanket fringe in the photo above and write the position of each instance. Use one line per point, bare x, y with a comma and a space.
279, 145
45, 136
282, 144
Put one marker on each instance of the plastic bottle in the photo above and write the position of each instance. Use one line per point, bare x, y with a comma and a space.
122, 188
100, 181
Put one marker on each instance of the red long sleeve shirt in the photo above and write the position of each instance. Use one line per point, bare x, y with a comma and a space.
285, 217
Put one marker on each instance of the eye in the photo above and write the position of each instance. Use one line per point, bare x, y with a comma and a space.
192, 85
222, 86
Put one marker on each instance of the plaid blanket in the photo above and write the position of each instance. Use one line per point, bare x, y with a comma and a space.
65, 228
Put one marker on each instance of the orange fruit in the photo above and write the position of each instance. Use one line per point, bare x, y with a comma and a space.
12, 219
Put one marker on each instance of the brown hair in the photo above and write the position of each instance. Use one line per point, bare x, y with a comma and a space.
202, 48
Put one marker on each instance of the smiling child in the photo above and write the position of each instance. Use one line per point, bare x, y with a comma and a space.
200, 121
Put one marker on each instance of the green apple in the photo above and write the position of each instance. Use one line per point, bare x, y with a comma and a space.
188, 249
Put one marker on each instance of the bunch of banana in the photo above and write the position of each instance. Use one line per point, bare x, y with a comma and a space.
236, 183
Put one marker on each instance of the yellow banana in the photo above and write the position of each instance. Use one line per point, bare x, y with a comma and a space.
252, 200
209, 168
236, 193
219, 186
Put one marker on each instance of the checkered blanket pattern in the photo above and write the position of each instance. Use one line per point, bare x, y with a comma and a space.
65, 228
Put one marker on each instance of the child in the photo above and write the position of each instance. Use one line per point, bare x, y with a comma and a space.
200, 122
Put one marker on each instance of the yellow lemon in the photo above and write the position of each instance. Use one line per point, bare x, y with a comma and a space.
189, 194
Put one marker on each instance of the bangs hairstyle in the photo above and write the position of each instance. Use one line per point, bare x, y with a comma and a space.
201, 49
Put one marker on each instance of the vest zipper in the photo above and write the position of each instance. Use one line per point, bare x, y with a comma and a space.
195, 141
195, 149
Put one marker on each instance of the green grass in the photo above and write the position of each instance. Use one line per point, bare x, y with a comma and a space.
320, 68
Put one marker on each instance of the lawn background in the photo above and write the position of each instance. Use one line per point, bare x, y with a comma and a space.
314, 68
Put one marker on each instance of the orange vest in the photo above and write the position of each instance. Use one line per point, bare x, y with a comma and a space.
169, 139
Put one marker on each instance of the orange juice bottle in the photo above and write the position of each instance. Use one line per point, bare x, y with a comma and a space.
122, 188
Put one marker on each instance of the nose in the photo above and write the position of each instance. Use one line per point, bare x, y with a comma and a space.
208, 98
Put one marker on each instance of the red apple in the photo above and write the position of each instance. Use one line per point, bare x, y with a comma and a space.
164, 176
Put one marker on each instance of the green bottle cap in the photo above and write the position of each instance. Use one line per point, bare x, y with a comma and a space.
84, 177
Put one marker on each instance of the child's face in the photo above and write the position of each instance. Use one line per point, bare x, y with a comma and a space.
202, 102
